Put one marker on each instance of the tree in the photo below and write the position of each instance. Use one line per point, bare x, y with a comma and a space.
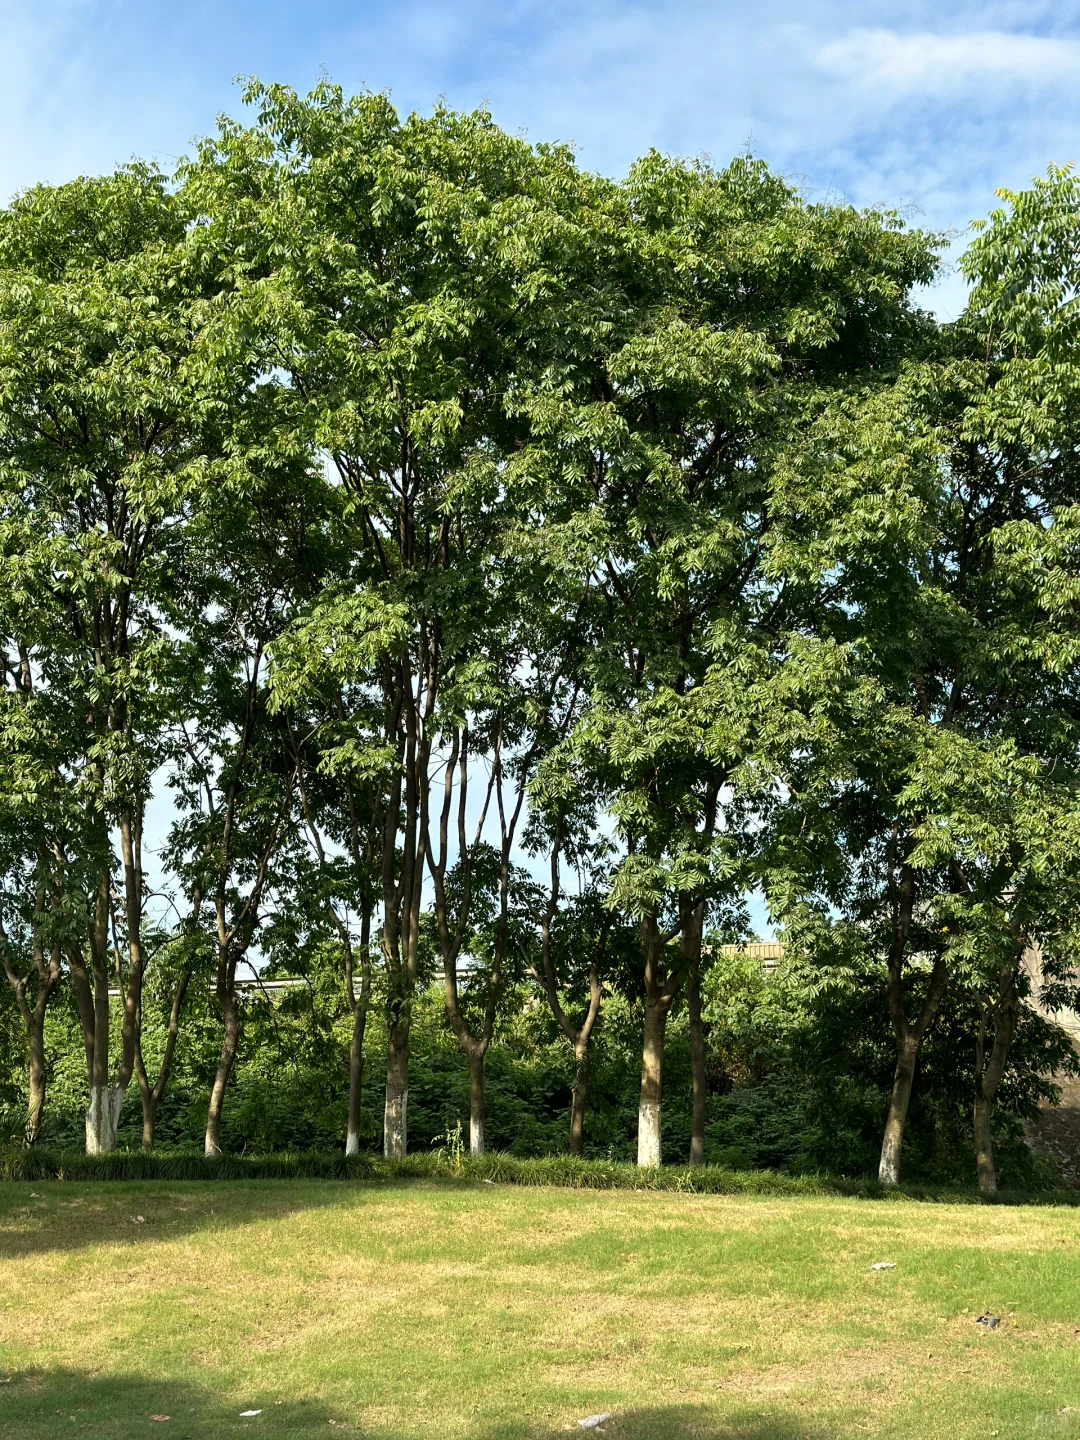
411, 271
951, 774
33, 985
179, 957
743, 303
114, 401
342, 783
254, 561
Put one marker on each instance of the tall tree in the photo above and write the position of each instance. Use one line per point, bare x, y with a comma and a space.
342, 781
744, 302
114, 401
254, 560
946, 523
411, 269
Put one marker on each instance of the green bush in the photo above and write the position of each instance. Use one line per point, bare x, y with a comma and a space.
799, 1076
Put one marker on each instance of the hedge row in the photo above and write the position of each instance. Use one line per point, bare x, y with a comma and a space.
501, 1169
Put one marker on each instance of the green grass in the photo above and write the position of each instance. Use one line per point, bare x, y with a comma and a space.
395, 1310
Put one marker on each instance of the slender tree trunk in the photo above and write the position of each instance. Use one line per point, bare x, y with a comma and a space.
476, 1100
146, 1100
356, 1078
652, 1076
360, 852
84, 999
150, 1096
106, 1100
579, 1096
35, 1082
984, 1149
33, 1016
405, 834
131, 985
660, 990
229, 1042
452, 933
988, 1074
889, 1165
107, 1096
359, 1005
579, 1037
395, 1112
697, 1066
908, 1037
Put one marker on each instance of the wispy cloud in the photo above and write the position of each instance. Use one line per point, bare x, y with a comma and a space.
877, 58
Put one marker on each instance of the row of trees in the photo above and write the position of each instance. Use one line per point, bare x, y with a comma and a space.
508, 568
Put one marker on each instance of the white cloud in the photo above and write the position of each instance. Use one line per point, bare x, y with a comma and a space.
927, 61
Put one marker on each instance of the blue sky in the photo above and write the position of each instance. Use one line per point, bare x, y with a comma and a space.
927, 107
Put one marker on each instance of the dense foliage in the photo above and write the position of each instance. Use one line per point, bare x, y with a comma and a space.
497, 572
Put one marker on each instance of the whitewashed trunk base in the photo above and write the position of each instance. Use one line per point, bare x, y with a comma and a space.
476, 1137
648, 1135
102, 1118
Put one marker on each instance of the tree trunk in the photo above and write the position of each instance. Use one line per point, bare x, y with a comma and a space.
230, 1041
84, 999
35, 1082
151, 1096
908, 1037
149, 1120
580, 1094
580, 1038
105, 1101
988, 1073
660, 990
984, 1149
146, 1100
699, 1076
889, 1165
100, 1126
33, 1018
102, 1118
476, 1101
359, 1005
395, 1112
652, 1074
356, 1078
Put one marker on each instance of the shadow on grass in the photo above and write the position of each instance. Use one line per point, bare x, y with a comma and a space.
118, 1407
59, 1216
115, 1407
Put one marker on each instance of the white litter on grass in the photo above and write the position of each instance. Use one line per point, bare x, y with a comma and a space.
138, 1219
249, 1414
593, 1422
883, 1265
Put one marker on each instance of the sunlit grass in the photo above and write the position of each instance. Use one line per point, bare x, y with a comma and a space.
423, 1310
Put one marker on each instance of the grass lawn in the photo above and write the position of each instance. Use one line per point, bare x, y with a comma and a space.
427, 1310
